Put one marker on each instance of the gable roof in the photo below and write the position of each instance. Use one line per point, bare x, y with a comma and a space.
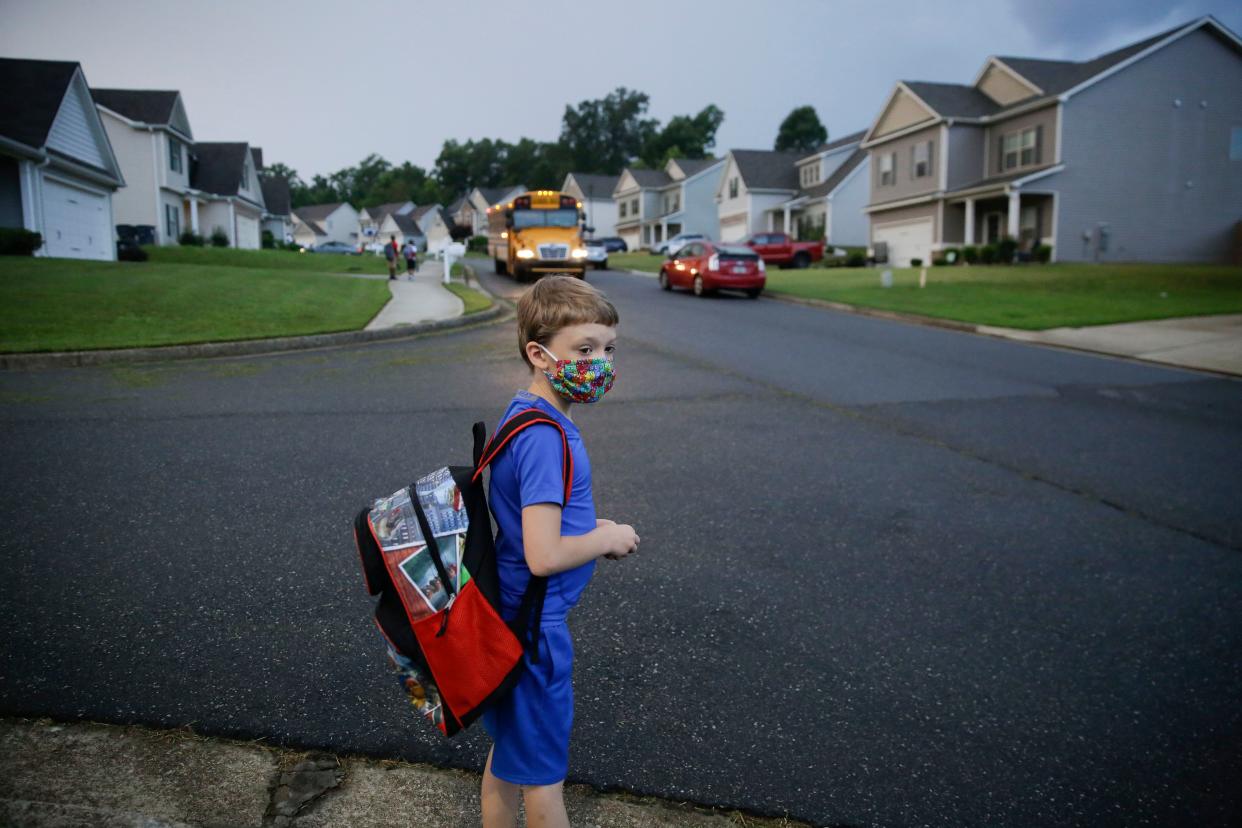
595, 185
842, 172
275, 194
217, 167
406, 223
649, 178
317, 212
954, 100
314, 226
146, 106
381, 210
33, 91
767, 169
457, 205
692, 166
257, 154
843, 141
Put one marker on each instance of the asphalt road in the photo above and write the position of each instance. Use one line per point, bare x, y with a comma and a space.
890, 575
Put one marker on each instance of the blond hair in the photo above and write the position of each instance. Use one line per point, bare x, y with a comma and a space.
556, 302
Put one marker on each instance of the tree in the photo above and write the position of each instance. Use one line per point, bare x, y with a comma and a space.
606, 134
684, 136
801, 131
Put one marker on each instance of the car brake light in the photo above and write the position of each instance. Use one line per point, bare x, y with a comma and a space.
714, 262
761, 267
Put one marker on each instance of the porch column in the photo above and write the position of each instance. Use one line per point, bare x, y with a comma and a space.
970, 221
194, 215
663, 231
771, 221
787, 219
1011, 216
233, 224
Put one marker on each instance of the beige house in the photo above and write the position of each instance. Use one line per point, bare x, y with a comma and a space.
752, 188
151, 135
637, 196
481, 199
1131, 155
436, 226
224, 175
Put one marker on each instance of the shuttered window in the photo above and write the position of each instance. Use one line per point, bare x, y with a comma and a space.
1021, 149
174, 154
888, 169
921, 155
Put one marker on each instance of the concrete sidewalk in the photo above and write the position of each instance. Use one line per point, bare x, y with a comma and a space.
1210, 343
106, 776
420, 298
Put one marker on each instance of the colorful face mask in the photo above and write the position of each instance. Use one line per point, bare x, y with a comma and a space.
581, 380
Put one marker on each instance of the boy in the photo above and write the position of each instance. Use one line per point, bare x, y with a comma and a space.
566, 335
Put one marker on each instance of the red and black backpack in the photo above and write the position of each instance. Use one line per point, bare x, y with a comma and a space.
439, 601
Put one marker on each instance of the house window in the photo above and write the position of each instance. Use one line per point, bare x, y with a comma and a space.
888, 169
174, 154
633, 206
733, 187
1019, 149
920, 159
621, 210
172, 221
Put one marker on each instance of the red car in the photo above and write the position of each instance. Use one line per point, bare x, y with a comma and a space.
705, 267
780, 250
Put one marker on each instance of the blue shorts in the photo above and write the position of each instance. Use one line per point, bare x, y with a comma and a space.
530, 726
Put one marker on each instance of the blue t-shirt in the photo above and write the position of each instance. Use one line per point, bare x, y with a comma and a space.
526, 472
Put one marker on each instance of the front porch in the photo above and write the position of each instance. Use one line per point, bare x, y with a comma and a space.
800, 218
987, 216
659, 230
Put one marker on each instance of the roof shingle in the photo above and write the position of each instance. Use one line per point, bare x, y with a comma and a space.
33, 91
146, 106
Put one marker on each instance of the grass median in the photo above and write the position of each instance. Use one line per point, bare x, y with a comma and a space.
1033, 297
63, 304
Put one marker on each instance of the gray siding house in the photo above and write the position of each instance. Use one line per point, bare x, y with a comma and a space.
1135, 155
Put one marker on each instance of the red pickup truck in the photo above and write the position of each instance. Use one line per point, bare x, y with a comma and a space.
780, 250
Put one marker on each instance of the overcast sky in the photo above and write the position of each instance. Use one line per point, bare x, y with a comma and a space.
319, 84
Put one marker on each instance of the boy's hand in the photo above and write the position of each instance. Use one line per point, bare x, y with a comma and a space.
620, 538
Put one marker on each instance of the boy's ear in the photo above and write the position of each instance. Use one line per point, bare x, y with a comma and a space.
538, 359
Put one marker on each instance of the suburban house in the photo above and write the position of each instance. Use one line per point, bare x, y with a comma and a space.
637, 196
752, 189
462, 213
834, 191
595, 193
278, 217
224, 173
318, 223
482, 199
58, 172
370, 218
404, 227
436, 224
151, 135
1133, 155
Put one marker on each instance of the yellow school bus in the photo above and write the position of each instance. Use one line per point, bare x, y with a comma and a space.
538, 232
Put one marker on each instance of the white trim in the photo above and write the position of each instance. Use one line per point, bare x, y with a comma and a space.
905, 202
993, 60
898, 87
1056, 216
1018, 183
160, 230
902, 133
1135, 58
1060, 120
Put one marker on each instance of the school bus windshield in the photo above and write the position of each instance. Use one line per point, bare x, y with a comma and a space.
567, 217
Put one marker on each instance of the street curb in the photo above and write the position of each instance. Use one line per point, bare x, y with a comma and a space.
990, 331
243, 347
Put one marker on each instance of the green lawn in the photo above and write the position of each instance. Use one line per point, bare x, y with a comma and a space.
471, 298
1029, 296
269, 259
62, 304
639, 260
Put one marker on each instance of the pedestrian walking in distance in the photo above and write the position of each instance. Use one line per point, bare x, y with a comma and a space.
567, 334
410, 251
391, 253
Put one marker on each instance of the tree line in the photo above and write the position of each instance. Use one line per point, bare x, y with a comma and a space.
603, 135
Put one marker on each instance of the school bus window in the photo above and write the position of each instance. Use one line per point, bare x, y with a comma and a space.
545, 218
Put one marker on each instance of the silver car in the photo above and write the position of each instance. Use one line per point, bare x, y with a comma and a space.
597, 254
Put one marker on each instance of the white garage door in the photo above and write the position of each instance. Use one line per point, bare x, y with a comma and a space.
247, 233
906, 241
734, 232
75, 222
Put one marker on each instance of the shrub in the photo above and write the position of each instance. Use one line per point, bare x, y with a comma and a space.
219, 238
987, 253
970, 254
1005, 250
1043, 253
940, 261
190, 239
855, 260
956, 258
916, 262
477, 244
15, 241
269, 241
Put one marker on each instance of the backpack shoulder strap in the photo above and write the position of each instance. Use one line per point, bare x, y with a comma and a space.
509, 429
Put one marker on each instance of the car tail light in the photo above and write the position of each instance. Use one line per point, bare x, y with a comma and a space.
761, 267
714, 262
